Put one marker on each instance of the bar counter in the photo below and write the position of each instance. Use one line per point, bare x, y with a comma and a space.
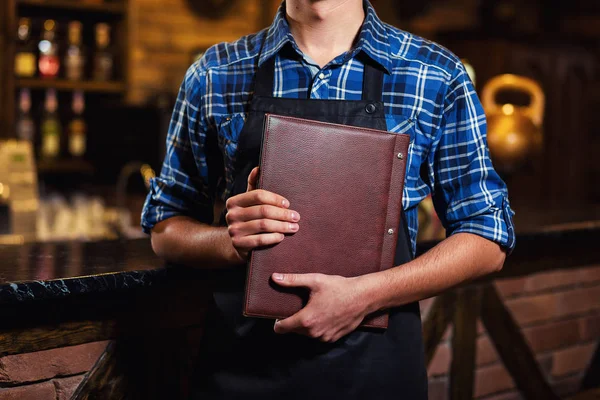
40, 271
54, 295
61, 294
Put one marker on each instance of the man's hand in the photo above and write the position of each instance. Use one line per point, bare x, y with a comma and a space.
258, 218
336, 307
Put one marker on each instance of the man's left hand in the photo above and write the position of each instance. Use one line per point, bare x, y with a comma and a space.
336, 306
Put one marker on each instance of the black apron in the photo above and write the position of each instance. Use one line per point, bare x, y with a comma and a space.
242, 358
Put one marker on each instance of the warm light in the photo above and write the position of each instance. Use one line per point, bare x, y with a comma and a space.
147, 173
29, 205
12, 239
508, 109
49, 24
470, 70
4, 191
22, 177
512, 138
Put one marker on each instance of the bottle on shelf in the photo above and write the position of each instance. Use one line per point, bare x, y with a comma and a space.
50, 129
25, 126
75, 58
103, 57
48, 62
77, 126
25, 54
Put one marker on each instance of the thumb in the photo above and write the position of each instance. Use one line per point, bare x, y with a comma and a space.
252, 179
297, 280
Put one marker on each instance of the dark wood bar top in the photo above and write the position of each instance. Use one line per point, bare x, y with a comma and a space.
53, 270
35, 271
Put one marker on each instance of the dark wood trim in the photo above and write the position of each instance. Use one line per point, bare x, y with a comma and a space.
7, 88
17, 341
126, 55
66, 85
464, 344
437, 320
593, 394
512, 348
591, 378
103, 381
104, 7
65, 166
3, 66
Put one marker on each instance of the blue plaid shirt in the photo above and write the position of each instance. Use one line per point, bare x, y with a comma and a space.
427, 94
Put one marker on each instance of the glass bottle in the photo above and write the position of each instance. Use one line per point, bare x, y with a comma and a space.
25, 125
77, 126
50, 127
103, 58
75, 57
25, 57
48, 62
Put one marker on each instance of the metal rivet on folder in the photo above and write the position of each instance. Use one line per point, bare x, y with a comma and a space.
400, 156
390, 231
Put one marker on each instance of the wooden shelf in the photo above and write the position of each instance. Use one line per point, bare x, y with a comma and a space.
76, 5
64, 166
66, 85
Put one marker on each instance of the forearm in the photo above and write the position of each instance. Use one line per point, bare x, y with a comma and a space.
459, 258
184, 240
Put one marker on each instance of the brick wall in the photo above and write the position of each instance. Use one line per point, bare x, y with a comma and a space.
558, 312
47, 375
559, 315
165, 33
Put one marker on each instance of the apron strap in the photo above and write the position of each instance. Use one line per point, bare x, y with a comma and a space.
265, 77
372, 81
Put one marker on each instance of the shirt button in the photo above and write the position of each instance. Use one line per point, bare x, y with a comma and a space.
321, 76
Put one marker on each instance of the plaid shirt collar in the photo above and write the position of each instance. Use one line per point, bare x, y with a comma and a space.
372, 39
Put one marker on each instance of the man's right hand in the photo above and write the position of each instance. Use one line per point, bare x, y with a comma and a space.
258, 218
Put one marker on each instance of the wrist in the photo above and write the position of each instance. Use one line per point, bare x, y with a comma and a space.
230, 254
370, 287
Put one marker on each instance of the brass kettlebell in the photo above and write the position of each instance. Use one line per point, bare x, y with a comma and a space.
514, 133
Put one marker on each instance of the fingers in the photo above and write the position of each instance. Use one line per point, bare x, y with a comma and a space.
253, 241
258, 218
252, 179
261, 226
299, 323
311, 281
305, 323
239, 214
257, 197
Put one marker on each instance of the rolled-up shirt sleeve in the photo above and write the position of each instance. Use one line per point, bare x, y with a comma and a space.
468, 194
182, 186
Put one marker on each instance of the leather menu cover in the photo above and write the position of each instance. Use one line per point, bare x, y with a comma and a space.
346, 183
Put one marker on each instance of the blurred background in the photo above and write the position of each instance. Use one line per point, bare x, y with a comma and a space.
86, 93
87, 87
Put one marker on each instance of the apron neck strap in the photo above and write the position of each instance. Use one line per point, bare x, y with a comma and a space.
372, 89
372, 81
265, 78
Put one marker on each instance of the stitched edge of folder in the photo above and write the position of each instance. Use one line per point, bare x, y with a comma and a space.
260, 183
356, 128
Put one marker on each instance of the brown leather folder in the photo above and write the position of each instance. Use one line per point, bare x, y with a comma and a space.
346, 183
